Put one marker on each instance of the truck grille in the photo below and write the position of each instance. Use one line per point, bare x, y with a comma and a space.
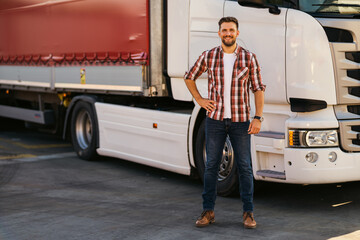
350, 135
348, 73
354, 74
346, 57
354, 109
353, 56
348, 93
356, 129
355, 91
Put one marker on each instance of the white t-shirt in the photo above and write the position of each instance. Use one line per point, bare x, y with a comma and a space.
229, 60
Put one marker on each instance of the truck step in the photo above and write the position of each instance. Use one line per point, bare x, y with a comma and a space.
269, 134
271, 174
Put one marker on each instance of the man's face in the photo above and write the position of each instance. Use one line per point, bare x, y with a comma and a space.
228, 33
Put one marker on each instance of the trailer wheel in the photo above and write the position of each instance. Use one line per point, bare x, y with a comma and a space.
228, 180
84, 131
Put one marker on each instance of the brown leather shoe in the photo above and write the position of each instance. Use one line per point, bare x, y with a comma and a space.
248, 220
205, 219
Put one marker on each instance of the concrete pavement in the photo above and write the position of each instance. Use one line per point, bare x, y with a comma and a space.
58, 196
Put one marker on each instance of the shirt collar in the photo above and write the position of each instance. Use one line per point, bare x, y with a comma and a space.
237, 49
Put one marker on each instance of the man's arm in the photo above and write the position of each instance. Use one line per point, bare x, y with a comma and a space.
207, 104
258, 89
255, 124
190, 77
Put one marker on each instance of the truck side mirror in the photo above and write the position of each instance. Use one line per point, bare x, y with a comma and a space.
273, 9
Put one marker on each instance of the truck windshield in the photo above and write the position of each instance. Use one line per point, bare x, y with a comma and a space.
331, 8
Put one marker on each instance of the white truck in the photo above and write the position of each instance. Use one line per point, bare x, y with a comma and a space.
109, 74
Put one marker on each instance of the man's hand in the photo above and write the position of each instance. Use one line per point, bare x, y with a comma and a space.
254, 126
208, 105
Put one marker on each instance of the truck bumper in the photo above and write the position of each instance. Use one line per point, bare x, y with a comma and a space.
299, 170
294, 168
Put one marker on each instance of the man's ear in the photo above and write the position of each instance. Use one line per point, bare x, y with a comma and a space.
219, 33
238, 32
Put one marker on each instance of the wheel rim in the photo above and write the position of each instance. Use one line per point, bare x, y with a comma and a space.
83, 129
227, 160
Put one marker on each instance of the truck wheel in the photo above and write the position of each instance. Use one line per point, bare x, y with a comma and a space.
84, 131
228, 180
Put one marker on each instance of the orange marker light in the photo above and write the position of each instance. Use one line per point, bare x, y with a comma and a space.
291, 138
155, 125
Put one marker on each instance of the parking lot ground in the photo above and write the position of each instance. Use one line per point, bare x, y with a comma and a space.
52, 194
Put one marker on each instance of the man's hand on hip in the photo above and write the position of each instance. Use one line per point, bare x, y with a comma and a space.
254, 126
208, 105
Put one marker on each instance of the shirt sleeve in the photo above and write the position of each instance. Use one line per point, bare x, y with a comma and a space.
198, 68
255, 76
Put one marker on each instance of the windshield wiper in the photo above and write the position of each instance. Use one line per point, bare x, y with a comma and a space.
337, 4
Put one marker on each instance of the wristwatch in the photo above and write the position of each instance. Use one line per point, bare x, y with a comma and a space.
259, 118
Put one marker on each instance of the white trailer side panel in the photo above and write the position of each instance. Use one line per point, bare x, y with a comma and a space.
96, 78
128, 133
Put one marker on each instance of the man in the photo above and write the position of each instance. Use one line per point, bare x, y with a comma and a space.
232, 70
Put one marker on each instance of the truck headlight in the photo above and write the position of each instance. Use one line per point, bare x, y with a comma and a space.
310, 138
322, 138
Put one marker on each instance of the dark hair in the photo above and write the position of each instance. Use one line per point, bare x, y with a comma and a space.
229, 19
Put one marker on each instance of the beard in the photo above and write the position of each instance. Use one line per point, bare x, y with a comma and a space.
230, 42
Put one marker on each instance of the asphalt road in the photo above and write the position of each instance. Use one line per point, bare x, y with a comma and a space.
46, 192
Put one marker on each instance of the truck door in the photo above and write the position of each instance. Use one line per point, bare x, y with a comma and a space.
203, 32
203, 27
263, 33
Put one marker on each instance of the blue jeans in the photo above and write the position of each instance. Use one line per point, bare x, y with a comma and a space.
215, 137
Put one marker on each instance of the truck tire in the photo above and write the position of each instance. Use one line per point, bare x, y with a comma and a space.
84, 131
228, 180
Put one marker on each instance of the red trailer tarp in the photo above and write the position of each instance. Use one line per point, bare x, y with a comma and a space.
74, 31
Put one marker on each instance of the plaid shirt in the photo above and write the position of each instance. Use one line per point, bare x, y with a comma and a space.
246, 72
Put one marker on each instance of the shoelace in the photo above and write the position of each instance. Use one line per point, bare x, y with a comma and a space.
247, 214
203, 214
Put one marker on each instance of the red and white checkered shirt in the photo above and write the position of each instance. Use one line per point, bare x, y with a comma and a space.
246, 72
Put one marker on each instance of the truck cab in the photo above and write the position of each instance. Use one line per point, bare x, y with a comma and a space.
309, 56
